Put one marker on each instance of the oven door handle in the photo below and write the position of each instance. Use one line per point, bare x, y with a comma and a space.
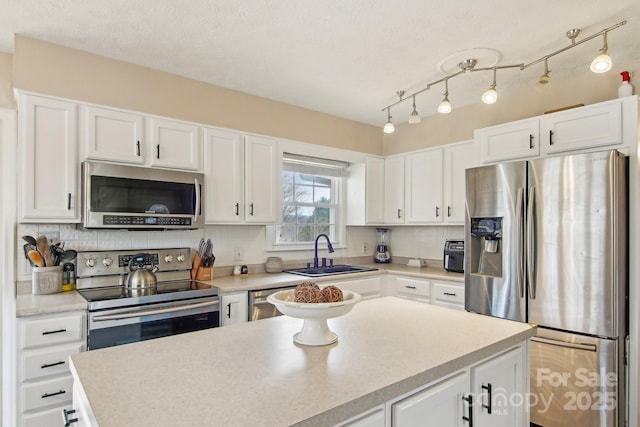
131, 314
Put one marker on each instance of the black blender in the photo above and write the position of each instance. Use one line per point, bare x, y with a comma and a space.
382, 254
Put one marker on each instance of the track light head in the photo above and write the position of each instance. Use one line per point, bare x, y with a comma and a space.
389, 127
602, 62
414, 118
490, 96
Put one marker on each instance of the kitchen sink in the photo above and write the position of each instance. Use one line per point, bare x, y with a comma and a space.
328, 271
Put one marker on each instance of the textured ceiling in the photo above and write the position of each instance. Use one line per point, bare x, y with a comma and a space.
346, 58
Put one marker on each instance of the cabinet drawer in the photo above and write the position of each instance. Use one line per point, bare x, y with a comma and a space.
47, 418
51, 330
367, 288
46, 362
448, 293
56, 392
417, 287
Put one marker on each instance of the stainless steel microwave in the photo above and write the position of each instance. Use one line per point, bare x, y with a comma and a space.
139, 198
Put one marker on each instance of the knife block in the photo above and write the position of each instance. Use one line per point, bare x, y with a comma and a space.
198, 272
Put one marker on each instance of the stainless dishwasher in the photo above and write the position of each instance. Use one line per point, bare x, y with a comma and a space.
259, 307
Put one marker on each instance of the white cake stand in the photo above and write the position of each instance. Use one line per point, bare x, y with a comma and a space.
315, 331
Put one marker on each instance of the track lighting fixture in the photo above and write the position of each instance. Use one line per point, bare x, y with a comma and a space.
544, 79
445, 105
601, 64
389, 127
414, 118
491, 96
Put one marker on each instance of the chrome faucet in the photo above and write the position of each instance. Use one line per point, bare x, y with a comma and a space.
315, 253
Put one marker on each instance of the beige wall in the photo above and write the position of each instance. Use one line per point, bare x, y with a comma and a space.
586, 88
6, 77
68, 73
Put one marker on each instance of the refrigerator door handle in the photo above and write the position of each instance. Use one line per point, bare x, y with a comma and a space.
519, 242
578, 346
531, 257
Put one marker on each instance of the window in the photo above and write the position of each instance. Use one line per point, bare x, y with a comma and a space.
311, 204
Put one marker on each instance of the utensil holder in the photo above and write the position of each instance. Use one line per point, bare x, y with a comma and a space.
46, 280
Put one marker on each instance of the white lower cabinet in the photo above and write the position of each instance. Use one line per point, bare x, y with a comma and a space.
233, 308
45, 343
439, 404
448, 294
491, 393
371, 287
410, 287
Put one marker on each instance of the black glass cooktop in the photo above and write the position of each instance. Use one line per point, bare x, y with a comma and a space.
121, 296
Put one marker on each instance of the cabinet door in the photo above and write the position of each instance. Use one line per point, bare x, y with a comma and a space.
496, 385
515, 140
438, 405
175, 144
263, 191
424, 187
224, 176
374, 190
394, 190
584, 127
456, 160
112, 135
234, 308
49, 188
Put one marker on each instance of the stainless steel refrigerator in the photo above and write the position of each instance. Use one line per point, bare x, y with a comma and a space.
545, 243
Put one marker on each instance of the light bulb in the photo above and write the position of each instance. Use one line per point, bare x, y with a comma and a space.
389, 127
602, 63
414, 118
490, 96
445, 106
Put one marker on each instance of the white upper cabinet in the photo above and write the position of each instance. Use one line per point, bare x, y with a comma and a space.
127, 137
112, 135
457, 158
515, 140
243, 176
584, 127
48, 185
263, 189
394, 190
374, 190
175, 144
423, 191
224, 176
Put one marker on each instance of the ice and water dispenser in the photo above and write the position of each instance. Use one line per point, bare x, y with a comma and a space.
486, 247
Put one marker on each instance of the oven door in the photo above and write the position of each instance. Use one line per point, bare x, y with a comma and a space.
132, 324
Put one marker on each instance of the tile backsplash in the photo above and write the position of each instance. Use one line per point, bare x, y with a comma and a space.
424, 242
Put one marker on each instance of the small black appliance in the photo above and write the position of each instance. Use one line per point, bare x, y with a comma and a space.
454, 256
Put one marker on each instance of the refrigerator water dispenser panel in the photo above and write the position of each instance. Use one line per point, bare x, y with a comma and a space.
486, 251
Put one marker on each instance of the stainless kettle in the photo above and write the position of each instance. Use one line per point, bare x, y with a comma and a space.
140, 276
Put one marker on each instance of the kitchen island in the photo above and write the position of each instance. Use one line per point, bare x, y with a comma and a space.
254, 374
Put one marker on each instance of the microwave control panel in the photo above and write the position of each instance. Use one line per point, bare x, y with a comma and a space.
130, 220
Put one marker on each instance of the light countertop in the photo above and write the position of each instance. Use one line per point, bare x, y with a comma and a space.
254, 374
28, 304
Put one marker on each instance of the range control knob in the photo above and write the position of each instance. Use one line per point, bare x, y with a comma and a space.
180, 258
107, 262
90, 262
168, 259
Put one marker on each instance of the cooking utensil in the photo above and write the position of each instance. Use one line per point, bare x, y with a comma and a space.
69, 255
35, 258
29, 247
56, 253
139, 275
30, 240
43, 247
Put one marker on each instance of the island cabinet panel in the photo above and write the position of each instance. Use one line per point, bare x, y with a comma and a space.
373, 418
440, 404
499, 387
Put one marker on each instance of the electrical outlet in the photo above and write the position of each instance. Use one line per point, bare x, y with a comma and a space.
237, 254
365, 249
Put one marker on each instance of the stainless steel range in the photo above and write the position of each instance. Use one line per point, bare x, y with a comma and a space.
119, 314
